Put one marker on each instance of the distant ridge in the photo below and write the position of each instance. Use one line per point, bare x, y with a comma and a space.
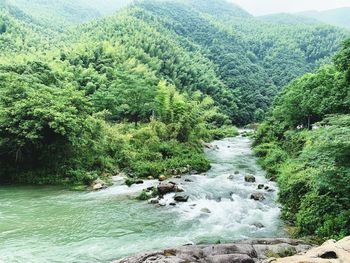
338, 17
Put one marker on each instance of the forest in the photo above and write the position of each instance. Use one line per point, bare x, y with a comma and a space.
85, 96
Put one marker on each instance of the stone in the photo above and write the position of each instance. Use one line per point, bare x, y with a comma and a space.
236, 172
180, 197
330, 251
258, 225
179, 189
257, 196
172, 204
177, 176
188, 180
153, 201
97, 187
231, 177
162, 178
138, 182
205, 210
249, 179
150, 178
260, 186
165, 188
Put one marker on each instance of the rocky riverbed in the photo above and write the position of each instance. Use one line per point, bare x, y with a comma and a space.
263, 250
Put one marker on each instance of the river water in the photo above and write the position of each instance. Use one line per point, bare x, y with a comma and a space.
50, 224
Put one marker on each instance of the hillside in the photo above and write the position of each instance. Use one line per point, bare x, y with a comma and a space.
253, 58
336, 17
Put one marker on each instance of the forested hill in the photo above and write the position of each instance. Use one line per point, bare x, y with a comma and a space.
253, 58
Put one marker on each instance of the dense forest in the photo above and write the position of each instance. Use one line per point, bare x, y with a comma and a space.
304, 144
337, 17
141, 90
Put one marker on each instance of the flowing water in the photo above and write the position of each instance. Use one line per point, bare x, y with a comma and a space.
50, 224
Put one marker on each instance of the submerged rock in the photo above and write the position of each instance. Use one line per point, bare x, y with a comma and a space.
205, 210
249, 178
181, 197
257, 196
258, 225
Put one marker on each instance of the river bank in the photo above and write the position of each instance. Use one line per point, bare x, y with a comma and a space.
52, 224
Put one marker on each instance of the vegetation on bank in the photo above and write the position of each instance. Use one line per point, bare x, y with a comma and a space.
305, 145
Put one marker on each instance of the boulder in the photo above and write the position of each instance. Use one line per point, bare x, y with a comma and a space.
249, 178
257, 196
181, 197
165, 188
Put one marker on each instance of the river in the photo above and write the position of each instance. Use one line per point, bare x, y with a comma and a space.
51, 224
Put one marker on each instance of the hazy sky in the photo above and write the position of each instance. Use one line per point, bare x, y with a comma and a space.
263, 7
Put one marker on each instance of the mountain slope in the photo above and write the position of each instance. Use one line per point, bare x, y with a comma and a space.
338, 17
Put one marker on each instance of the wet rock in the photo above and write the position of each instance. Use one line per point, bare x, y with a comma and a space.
258, 225
236, 172
179, 189
231, 177
257, 196
162, 178
153, 201
205, 210
139, 182
150, 178
177, 176
271, 190
249, 178
98, 185
181, 197
172, 204
260, 186
165, 188
266, 187
188, 180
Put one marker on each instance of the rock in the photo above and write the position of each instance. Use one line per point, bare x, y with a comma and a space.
172, 204
165, 188
162, 178
257, 196
266, 187
177, 176
231, 177
205, 210
138, 182
247, 251
97, 187
249, 178
180, 197
260, 186
150, 178
179, 189
271, 190
258, 225
236, 172
151, 188
153, 201
330, 251
188, 180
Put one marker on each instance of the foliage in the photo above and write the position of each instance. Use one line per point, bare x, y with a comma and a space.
305, 142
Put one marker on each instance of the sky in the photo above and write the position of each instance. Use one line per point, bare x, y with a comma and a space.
264, 7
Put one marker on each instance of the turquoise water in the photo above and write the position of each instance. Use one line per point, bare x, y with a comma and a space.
50, 224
